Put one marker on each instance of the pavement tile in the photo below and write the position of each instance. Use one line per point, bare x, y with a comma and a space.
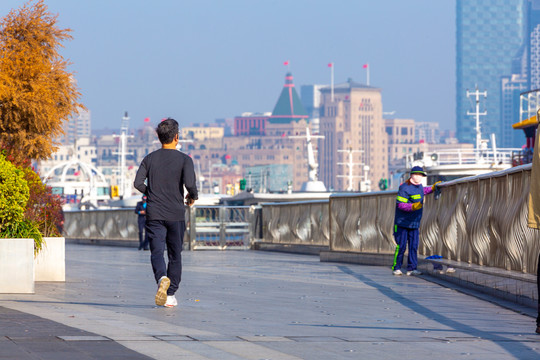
304, 309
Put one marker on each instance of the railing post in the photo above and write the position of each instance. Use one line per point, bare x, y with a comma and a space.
222, 227
192, 227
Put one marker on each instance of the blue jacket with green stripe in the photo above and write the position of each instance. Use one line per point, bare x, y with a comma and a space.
408, 194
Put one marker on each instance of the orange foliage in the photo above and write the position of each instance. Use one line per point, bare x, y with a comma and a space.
37, 93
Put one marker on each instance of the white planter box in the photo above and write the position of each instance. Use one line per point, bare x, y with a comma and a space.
17, 266
50, 263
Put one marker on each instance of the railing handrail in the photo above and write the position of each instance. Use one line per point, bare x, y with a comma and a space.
303, 202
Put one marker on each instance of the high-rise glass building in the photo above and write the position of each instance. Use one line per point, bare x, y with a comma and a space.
490, 33
532, 43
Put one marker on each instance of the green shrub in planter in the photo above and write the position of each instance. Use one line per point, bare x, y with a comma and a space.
14, 194
25, 230
43, 208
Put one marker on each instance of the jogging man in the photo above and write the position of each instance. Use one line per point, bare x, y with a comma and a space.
166, 171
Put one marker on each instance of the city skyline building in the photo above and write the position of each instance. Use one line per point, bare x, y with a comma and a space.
288, 106
311, 99
489, 34
511, 88
525, 75
532, 44
76, 127
250, 124
351, 118
427, 132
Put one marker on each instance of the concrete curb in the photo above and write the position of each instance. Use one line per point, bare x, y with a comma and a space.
290, 248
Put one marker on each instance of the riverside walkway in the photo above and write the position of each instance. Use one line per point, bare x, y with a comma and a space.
255, 305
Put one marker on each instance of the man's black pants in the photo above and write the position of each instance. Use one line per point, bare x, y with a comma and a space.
168, 234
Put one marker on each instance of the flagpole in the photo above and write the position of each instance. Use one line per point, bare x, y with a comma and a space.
367, 73
332, 81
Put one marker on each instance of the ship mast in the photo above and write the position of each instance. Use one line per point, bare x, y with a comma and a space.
477, 115
350, 164
124, 186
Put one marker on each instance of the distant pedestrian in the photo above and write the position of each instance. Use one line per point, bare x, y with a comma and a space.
140, 210
409, 203
166, 172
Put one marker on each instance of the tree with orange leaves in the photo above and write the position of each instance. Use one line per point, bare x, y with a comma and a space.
37, 93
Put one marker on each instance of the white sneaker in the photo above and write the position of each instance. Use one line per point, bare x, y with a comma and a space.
450, 270
171, 301
414, 272
161, 295
397, 272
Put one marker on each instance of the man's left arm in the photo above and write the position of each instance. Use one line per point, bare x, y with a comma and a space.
190, 182
140, 177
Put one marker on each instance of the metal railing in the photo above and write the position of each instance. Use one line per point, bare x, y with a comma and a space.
117, 224
215, 227
483, 220
223, 227
479, 220
301, 223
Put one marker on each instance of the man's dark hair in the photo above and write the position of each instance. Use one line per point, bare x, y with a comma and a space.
167, 130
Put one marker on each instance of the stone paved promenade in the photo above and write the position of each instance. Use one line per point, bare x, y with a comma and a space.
254, 305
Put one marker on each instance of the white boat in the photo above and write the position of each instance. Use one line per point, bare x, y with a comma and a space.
449, 165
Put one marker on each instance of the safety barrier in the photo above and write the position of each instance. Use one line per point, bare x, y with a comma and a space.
115, 225
298, 223
216, 227
480, 220
223, 227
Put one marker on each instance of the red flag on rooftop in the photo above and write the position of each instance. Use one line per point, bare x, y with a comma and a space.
286, 62
365, 66
330, 64
147, 119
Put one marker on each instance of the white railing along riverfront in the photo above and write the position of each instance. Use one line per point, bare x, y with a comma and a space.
214, 227
480, 220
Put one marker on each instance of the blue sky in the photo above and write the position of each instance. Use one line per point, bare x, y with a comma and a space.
198, 60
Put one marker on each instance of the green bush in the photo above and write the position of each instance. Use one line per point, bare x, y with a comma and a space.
43, 208
14, 195
25, 230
